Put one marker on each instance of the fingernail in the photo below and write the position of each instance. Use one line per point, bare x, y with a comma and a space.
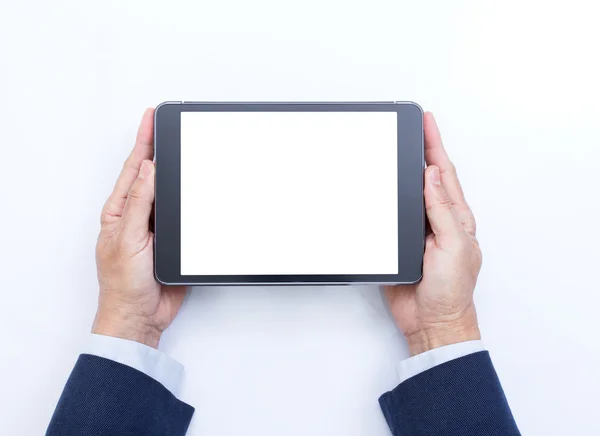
434, 176
146, 169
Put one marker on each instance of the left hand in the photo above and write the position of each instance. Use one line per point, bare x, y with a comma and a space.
132, 305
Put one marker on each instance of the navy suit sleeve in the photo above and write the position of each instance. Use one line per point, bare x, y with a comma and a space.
103, 397
462, 397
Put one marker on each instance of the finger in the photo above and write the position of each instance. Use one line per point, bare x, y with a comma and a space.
143, 149
440, 212
136, 214
435, 154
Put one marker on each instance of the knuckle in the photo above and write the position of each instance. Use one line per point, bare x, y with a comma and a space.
469, 224
107, 217
428, 208
450, 169
129, 165
443, 199
477, 253
473, 222
135, 193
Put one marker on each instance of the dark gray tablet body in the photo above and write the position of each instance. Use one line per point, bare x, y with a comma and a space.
289, 193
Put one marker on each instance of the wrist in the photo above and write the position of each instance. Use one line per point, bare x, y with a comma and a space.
126, 326
423, 341
441, 334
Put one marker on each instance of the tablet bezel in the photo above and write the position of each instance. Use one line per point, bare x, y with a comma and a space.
167, 206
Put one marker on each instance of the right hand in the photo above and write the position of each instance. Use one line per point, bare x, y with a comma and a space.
439, 310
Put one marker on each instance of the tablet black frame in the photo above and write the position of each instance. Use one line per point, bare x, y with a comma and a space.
411, 214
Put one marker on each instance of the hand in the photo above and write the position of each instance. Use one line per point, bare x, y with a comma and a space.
439, 310
132, 305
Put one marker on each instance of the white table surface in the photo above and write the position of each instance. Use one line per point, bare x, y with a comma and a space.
515, 88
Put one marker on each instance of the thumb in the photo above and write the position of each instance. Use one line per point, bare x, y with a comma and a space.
441, 215
136, 214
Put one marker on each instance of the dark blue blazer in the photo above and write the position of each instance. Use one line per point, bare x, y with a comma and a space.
462, 397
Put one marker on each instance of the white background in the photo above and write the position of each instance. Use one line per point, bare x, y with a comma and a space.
515, 87
289, 193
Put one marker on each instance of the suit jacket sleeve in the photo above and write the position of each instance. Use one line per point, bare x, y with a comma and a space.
462, 397
104, 397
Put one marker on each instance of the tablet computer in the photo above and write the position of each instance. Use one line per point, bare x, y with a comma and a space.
289, 193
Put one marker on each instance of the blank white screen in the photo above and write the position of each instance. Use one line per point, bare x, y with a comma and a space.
289, 193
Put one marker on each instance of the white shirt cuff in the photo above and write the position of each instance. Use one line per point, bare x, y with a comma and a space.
422, 362
148, 360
